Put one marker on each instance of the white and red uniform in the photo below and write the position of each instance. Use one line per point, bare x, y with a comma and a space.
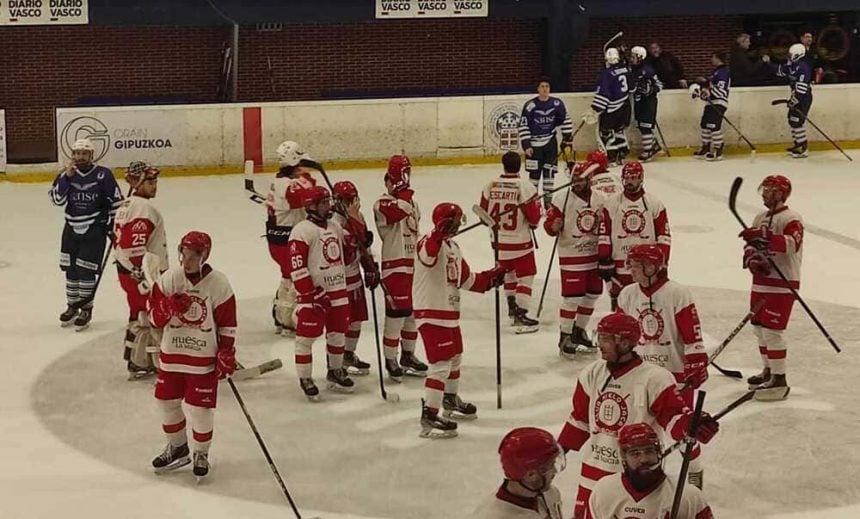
318, 273
504, 505
615, 497
785, 248
516, 248
354, 233
671, 332
630, 220
397, 217
189, 346
603, 402
581, 285
440, 273
607, 183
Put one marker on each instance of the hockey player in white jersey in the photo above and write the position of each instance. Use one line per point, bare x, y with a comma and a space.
440, 273
141, 257
284, 209
531, 458
516, 245
574, 217
602, 179
642, 490
619, 389
318, 273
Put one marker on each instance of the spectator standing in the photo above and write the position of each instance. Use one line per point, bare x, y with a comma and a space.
669, 69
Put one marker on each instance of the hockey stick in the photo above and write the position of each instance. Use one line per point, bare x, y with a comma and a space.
733, 200
685, 465
746, 397
498, 324
255, 196
243, 373
491, 222
797, 111
665, 144
719, 349
552, 256
731, 373
263, 448
735, 128
611, 40
386, 395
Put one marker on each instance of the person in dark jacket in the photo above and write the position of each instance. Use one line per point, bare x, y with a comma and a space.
747, 68
668, 68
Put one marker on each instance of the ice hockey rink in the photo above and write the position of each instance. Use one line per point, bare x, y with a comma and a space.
77, 437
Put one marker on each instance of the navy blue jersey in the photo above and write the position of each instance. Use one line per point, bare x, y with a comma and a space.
645, 81
719, 86
89, 197
799, 76
540, 120
613, 87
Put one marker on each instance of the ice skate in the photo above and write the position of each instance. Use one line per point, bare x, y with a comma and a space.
512, 308
83, 320
523, 323
67, 317
697, 479
310, 389
434, 426
454, 407
757, 380
580, 337
338, 381
395, 372
800, 151
354, 365
702, 152
201, 466
171, 458
411, 365
647, 155
136, 372
773, 390
566, 347
715, 154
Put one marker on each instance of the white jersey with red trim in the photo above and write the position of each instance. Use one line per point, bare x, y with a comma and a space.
785, 249
504, 194
285, 200
607, 183
671, 332
190, 341
138, 229
504, 505
615, 497
316, 255
632, 221
397, 220
437, 283
604, 401
577, 245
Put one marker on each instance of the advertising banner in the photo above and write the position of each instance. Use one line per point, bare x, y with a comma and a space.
431, 9
44, 12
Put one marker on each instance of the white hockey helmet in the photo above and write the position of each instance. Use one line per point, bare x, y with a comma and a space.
290, 154
638, 52
83, 145
612, 57
796, 51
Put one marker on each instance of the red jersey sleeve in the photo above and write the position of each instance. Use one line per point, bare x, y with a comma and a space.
671, 412
604, 236
225, 322
553, 215
790, 241
531, 211
157, 316
300, 274
393, 210
575, 432
664, 236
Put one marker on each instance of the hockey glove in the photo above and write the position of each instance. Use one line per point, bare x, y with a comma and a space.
708, 428
696, 370
225, 364
606, 269
488, 279
446, 227
695, 91
371, 273
175, 305
758, 264
758, 237
566, 149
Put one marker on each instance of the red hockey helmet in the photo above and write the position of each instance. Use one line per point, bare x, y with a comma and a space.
779, 182
632, 170
197, 241
647, 253
637, 435
446, 211
314, 195
399, 170
599, 158
345, 190
621, 326
525, 449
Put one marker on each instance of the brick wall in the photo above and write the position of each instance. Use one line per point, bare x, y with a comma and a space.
46, 67
691, 39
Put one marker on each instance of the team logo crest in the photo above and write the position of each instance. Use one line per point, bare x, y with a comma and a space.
610, 412
633, 221
331, 250
196, 314
503, 127
452, 270
652, 325
586, 221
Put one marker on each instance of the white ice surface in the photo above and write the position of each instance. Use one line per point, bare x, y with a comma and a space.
760, 465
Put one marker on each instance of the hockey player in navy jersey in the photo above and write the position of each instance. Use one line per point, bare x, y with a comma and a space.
611, 107
798, 70
645, 85
91, 196
541, 117
715, 93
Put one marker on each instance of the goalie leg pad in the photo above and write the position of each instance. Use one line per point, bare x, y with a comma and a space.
285, 303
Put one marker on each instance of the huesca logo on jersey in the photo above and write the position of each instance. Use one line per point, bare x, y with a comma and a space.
610, 412
633, 221
196, 314
586, 221
652, 324
331, 250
